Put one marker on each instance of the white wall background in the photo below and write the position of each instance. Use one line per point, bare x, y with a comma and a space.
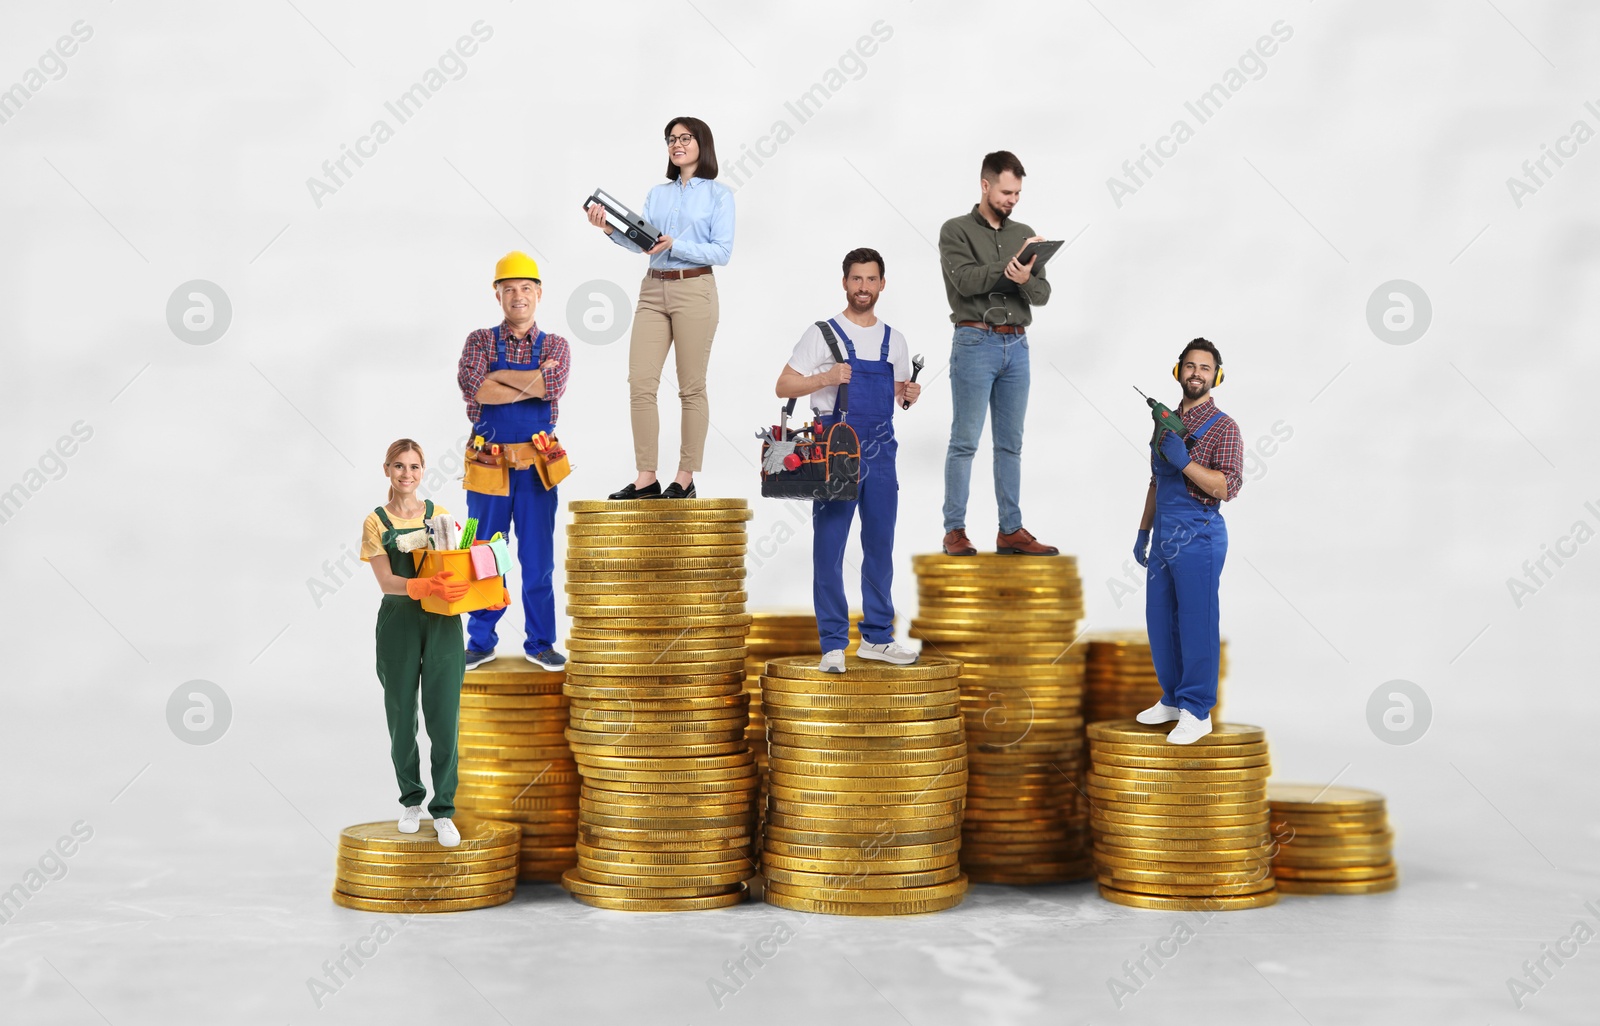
177, 542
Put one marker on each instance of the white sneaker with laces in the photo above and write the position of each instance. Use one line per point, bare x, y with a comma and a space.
889, 652
1158, 713
408, 819
832, 662
449, 836
1190, 729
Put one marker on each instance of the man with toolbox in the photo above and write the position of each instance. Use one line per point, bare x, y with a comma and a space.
870, 360
512, 377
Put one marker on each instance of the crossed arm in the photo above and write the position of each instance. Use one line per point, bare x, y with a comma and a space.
509, 386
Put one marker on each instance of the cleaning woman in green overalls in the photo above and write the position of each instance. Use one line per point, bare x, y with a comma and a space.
417, 650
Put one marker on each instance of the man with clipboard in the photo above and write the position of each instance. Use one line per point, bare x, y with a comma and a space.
993, 277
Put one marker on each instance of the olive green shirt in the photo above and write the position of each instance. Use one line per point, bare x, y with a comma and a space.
974, 256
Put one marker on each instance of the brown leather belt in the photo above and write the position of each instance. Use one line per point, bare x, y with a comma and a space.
688, 272
1002, 329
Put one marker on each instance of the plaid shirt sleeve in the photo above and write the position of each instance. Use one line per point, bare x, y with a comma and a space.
555, 380
1221, 448
473, 368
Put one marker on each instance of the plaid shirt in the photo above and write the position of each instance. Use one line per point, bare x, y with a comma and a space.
478, 354
1220, 448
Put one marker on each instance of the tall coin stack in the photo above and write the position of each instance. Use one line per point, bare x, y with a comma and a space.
667, 811
379, 869
868, 779
1331, 840
1011, 621
1180, 827
515, 763
1122, 677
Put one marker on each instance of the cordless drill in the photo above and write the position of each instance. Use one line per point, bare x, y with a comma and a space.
1165, 418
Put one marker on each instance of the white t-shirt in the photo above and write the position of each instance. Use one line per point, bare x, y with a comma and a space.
811, 355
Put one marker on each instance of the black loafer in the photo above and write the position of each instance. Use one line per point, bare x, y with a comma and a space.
678, 491
649, 491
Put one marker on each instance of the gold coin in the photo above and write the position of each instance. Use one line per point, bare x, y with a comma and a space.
627, 643
1310, 798
646, 861
1184, 752
821, 810
941, 779
652, 508
796, 770
663, 904
667, 884
844, 690
1377, 870
1377, 886
721, 761
919, 793
887, 853
1352, 858
1311, 844
792, 714
723, 605
1245, 794
861, 908
612, 560
744, 820
1159, 857
1190, 838
629, 518
867, 879
418, 872
508, 672
634, 622
857, 863
423, 905
507, 882
477, 835
1207, 903
497, 701
804, 668
845, 839
1111, 763
840, 888
1127, 732
1139, 790
688, 705
1112, 818
875, 704
1220, 883
832, 728
647, 531
1192, 872
1330, 827
429, 856
1118, 775
627, 691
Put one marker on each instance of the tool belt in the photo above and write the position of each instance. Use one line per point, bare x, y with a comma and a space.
818, 462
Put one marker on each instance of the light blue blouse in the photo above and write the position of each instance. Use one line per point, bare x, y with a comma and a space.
697, 217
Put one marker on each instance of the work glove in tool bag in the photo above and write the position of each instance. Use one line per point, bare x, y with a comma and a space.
818, 461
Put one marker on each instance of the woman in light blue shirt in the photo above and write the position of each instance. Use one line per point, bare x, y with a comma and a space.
677, 306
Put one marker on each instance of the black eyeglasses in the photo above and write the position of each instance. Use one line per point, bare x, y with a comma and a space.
685, 139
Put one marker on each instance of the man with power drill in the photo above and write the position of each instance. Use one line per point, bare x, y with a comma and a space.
1187, 541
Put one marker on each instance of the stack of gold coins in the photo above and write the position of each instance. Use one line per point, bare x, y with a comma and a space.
868, 781
667, 811
515, 763
1012, 621
1331, 840
1122, 678
379, 869
773, 635
1180, 826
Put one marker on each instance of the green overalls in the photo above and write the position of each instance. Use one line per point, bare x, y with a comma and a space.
415, 648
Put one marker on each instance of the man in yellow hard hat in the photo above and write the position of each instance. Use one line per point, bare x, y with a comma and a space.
512, 377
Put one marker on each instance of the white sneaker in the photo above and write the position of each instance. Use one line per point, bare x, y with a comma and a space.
1158, 713
1189, 729
889, 652
449, 836
832, 662
408, 819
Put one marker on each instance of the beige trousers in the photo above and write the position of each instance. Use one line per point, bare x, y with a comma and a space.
678, 314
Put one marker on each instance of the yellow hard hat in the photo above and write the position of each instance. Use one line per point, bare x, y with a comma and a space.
516, 265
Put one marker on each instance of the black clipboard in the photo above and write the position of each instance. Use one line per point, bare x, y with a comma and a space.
1040, 253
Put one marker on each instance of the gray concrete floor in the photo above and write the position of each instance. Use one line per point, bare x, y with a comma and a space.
202, 896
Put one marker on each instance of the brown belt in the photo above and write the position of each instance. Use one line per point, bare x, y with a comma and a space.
1003, 329
688, 272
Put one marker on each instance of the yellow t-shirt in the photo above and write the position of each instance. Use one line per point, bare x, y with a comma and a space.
372, 531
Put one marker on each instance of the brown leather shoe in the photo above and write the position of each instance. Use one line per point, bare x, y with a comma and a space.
956, 543
1021, 543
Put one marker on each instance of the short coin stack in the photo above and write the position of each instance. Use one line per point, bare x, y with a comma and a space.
773, 635
1122, 679
1331, 840
868, 778
1011, 621
1180, 826
667, 811
515, 763
379, 869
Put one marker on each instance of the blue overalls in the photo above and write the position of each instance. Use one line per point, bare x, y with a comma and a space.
527, 514
871, 412
1188, 544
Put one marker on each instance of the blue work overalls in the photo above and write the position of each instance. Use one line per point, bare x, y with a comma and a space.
1188, 544
527, 515
871, 413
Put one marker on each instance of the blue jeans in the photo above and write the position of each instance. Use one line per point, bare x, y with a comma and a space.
988, 372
